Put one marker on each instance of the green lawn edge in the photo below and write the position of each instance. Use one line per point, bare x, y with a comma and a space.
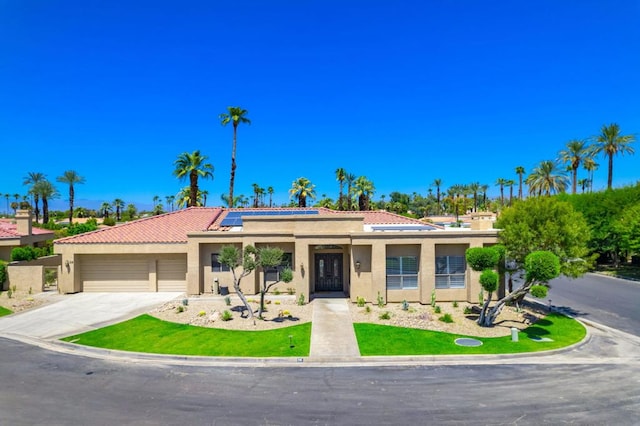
387, 340
4, 311
148, 334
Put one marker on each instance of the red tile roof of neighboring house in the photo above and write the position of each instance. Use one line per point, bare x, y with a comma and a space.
8, 229
166, 228
173, 227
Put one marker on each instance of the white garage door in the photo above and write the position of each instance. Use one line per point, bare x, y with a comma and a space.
114, 273
172, 274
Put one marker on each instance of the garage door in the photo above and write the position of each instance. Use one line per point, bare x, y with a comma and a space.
114, 273
172, 274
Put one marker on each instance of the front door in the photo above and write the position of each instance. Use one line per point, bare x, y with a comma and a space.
328, 271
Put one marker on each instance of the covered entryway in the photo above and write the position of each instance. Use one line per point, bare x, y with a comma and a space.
328, 272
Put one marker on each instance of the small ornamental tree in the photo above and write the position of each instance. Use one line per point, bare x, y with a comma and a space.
485, 259
270, 259
241, 263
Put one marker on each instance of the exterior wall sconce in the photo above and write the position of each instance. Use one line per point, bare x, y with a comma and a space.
67, 263
357, 265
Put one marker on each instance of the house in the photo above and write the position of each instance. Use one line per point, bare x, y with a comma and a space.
363, 254
18, 232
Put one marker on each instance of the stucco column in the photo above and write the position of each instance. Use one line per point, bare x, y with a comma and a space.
379, 270
427, 270
194, 274
302, 270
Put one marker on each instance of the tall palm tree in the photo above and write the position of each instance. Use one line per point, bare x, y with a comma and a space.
204, 193
235, 116
71, 178
474, 188
574, 155
270, 191
193, 165
590, 166
610, 142
119, 205
350, 178
183, 198
484, 188
47, 192
583, 183
509, 184
341, 176
520, 171
501, 182
156, 201
301, 189
255, 194
170, 199
32, 178
437, 183
546, 179
105, 209
364, 190
6, 197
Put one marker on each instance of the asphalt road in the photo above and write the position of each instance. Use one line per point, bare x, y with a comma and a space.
609, 301
46, 387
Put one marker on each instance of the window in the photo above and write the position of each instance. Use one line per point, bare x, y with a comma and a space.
402, 272
216, 266
450, 271
273, 274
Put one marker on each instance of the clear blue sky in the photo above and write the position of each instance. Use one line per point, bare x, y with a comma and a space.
402, 92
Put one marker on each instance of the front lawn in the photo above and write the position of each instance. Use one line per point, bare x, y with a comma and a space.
383, 340
4, 311
151, 335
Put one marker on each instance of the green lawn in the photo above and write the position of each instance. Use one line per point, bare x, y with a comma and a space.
148, 334
384, 340
4, 311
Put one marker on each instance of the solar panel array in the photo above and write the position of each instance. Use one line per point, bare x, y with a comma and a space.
234, 218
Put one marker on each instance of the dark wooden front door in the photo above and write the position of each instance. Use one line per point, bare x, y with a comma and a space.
328, 271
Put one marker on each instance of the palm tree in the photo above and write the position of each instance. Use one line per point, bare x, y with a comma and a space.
474, 188
194, 166
590, 166
119, 205
341, 176
235, 116
484, 188
573, 155
364, 190
32, 179
501, 182
71, 177
105, 209
583, 183
350, 178
170, 199
270, 192
47, 192
437, 183
520, 171
509, 184
255, 194
6, 197
546, 178
183, 198
611, 143
301, 189
156, 201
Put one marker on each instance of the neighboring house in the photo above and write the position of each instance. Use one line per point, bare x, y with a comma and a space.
359, 253
18, 232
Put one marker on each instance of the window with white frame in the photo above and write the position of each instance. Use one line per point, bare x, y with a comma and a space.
216, 266
450, 271
402, 272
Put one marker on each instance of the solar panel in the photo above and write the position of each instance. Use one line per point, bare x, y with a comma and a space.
234, 218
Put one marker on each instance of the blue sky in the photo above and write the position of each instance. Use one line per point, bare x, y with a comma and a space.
402, 92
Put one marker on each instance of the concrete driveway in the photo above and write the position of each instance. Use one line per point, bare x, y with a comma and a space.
77, 313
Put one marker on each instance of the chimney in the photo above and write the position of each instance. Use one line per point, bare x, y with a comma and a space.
482, 221
23, 222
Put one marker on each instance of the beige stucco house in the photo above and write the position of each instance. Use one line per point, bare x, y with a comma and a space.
362, 254
18, 232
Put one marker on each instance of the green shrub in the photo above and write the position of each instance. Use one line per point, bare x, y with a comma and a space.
185, 302
405, 305
367, 309
385, 316
467, 310
455, 303
109, 221
380, 300
360, 301
433, 298
446, 318
227, 300
437, 309
202, 313
23, 253
180, 309
3, 272
291, 291
301, 299
538, 291
226, 316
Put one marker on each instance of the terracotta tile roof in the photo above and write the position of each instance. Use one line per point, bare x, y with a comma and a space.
8, 229
166, 228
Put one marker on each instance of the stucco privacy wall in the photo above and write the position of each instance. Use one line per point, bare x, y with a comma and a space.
30, 275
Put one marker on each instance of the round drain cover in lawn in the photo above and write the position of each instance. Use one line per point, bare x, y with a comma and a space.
464, 341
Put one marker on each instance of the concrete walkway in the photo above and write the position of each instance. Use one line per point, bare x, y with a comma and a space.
332, 335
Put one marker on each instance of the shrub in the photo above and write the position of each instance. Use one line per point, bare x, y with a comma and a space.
467, 310
3, 273
277, 302
380, 300
202, 313
437, 309
286, 313
367, 309
291, 291
276, 292
109, 221
385, 316
360, 301
227, 300
180, 309
433, 298
301, 299
23, 253
538, 291
405, 305
446, 318
455, 303
185, 302
226, 316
